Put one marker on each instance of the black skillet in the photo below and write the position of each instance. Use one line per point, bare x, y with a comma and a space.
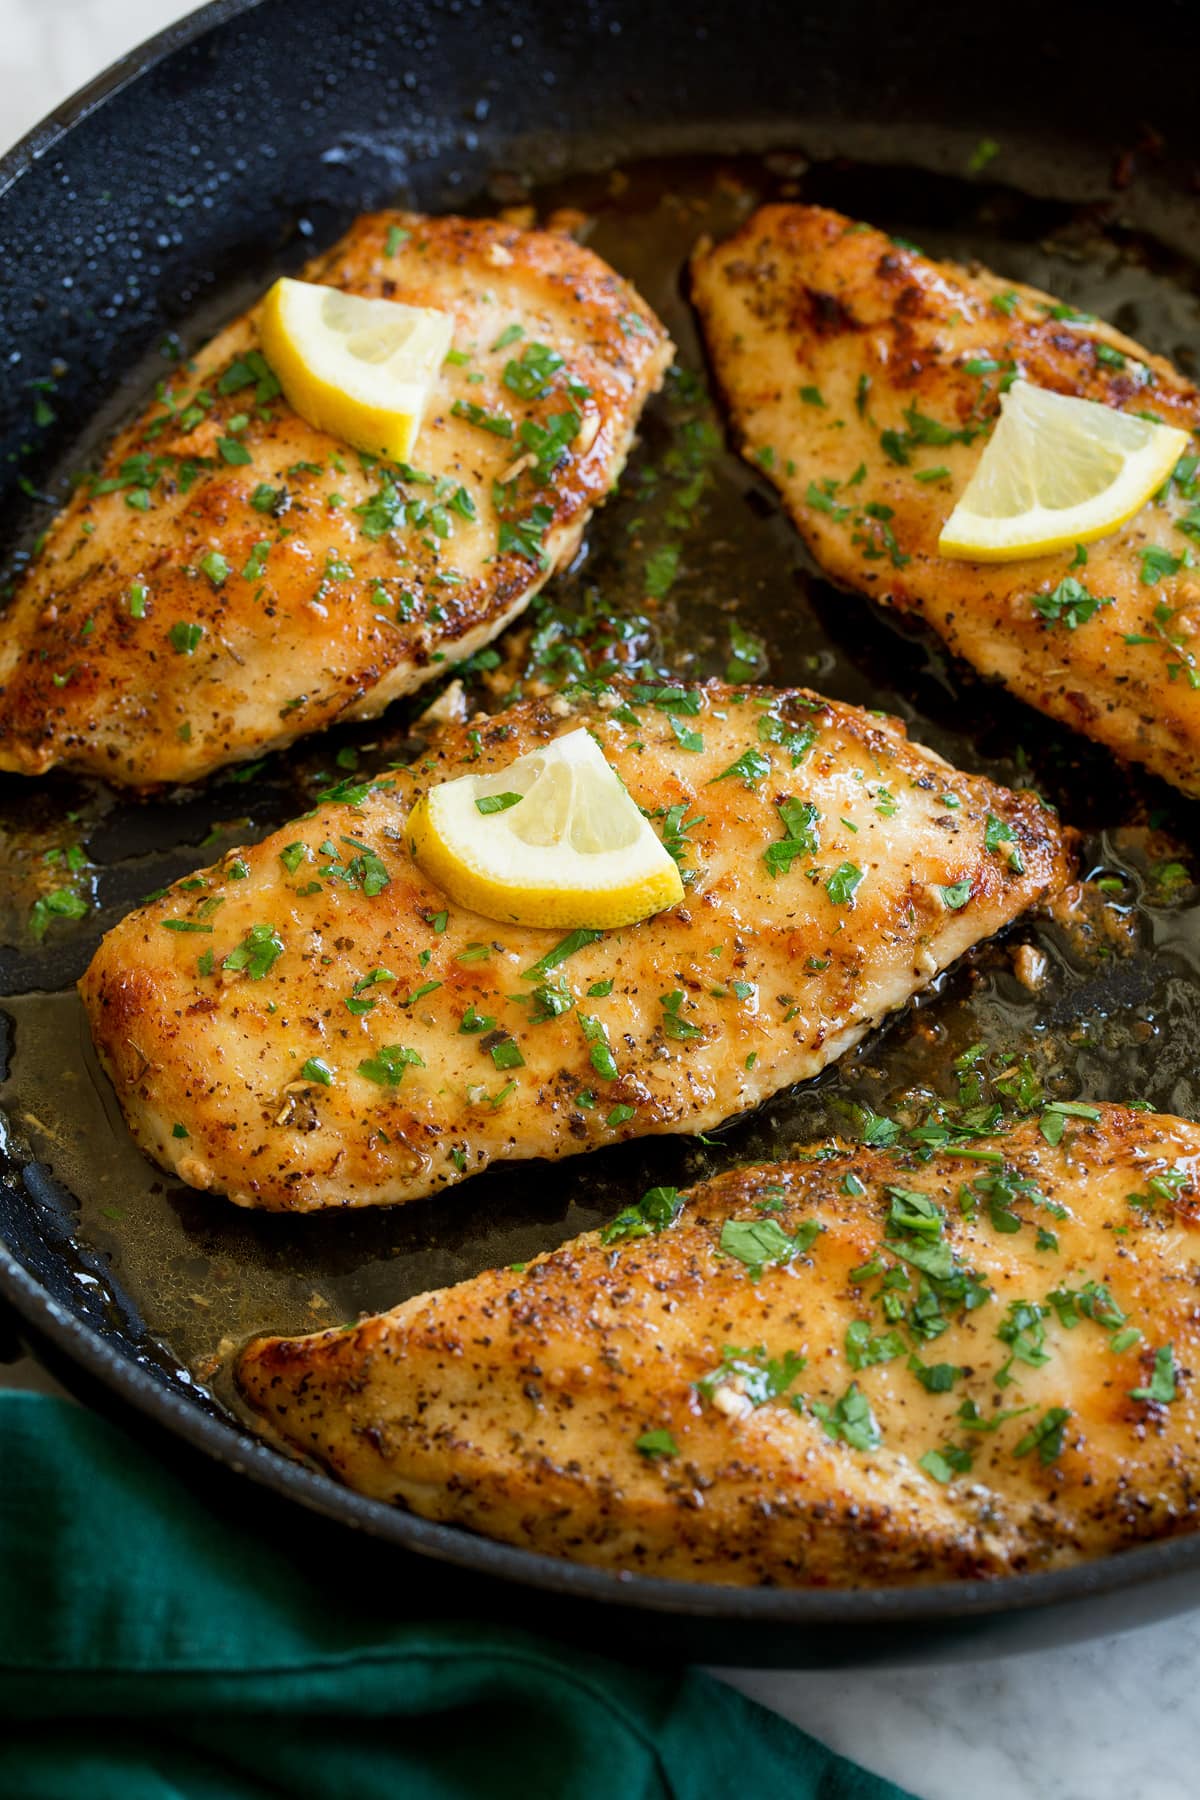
168, 193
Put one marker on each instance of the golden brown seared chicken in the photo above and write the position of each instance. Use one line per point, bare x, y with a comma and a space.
856, 369
312, 1023
234, 578
877, 1368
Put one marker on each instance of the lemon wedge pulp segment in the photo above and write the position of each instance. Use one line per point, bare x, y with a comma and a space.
360, 369
1057, 471
553, 839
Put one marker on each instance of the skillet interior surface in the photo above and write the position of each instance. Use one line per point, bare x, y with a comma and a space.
172, 203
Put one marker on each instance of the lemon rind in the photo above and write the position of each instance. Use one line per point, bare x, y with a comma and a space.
512, 903
343, 409
989, 547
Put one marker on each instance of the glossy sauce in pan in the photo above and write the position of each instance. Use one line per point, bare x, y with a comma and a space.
692, 569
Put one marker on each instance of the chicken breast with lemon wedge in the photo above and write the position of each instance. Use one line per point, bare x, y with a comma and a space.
868, 1367
234, 577
865, 379
314, 1022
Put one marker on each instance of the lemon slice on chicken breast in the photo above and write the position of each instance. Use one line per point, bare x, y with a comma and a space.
1057, 471
359, 369
553, 839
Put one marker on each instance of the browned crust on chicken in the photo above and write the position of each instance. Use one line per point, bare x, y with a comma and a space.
827, 338
757, 980
515, 1403
129, 653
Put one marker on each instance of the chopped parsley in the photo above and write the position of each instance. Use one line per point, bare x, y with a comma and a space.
653, 1444
944, 1464
256, 562
1092, 1301
658, 1208
530, 376
676, 826
1158, 564
674, 1024
759, 1242
387, 1067
686, 738
800, 821
669, 699
215, 567
751, 767
258, 952
600, 1054
863, 1350
551, 1001
1023, 1330
383, 512
850, 1419
549, 442
1046, 1436
998, 832
497, 803
250, 370
497, 423
365, 870
795, 740
1161, 1388
662, 567
527, 536
60, 903
922, 430
185, 637
574, 940
759, 1377
1069, 604
935, 1378
748, 656
971, 1419
419, 993
843, 883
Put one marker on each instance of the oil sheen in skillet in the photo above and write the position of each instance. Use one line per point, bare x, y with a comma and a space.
692, 568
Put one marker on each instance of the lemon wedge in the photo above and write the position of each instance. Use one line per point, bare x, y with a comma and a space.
553, 839
1057, 471
359, 369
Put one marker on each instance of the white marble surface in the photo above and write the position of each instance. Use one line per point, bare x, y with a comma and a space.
1111, 1720
1114, 1718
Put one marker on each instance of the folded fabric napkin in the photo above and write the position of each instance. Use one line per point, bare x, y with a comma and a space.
154, 1648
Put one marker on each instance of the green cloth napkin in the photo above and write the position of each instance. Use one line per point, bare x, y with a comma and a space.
152, 1647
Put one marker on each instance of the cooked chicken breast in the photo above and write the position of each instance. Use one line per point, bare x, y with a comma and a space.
884, 1367
312, 1023
234, 578
855, 369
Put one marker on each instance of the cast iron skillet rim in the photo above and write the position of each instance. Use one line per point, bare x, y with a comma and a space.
796, 1607
225, 1444
48, 130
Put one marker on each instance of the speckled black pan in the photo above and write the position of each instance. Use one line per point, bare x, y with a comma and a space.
162, 197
